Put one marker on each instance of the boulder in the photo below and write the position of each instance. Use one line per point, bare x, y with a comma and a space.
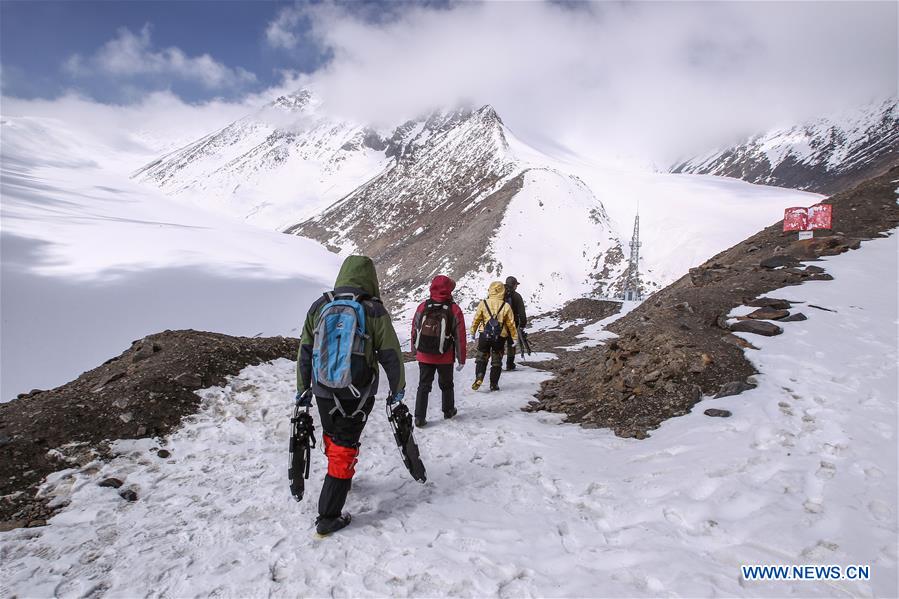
191, 380
716, 413
779, 261
769, 302
794, 317
147, 348
756, 327
128, 494
113, 483
768, 314
733, 388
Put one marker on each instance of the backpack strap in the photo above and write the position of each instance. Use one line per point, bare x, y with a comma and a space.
487, 306
502, 322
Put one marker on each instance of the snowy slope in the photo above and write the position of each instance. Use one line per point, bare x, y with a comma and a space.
825, 155
556, 237
92, 261
804, 472
684, 219
283, 162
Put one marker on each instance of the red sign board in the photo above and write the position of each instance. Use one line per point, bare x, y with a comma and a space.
819, 216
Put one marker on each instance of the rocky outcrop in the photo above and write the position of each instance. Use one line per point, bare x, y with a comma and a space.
144, 392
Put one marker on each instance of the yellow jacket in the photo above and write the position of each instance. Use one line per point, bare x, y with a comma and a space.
502, 312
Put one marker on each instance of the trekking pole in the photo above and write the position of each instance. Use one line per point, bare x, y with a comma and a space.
302, 440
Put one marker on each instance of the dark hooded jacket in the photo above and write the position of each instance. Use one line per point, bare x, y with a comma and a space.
357, 276
513, 298
442, 292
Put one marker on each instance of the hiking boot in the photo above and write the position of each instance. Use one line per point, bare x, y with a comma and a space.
450, 414
477, 384
494, 387
420, 422
510, 366
326, 526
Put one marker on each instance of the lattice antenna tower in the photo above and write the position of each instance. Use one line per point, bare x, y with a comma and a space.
632, 283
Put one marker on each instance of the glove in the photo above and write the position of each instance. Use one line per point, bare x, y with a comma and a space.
396, 398
304, 398
460, 367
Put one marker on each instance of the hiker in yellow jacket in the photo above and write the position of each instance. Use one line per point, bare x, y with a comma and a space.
493, 322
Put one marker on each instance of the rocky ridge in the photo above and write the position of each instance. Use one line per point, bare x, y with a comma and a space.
441, 208
678, 346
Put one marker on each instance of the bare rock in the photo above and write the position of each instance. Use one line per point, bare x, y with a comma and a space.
164, 453
768, 314
733, 388
652, 376
147, 348
778, 261
190, 380
113, 483
770, 302
756, 327
716, 413
128, 494
798, 316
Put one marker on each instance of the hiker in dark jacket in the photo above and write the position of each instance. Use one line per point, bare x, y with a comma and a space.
438, 338
513, 298
343, 412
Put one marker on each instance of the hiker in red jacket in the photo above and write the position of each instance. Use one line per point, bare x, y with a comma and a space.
438, 337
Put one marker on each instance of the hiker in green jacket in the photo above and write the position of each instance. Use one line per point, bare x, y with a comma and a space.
344, 410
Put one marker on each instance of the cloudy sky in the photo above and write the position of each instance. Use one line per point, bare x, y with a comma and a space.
656, 79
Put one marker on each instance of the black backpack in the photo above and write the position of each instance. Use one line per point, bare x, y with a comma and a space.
434, 333
493, 329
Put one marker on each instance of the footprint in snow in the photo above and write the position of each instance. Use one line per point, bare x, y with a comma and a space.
826, 470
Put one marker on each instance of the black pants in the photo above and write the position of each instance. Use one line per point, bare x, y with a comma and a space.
510, 352
426, 381
344, 432
493, 350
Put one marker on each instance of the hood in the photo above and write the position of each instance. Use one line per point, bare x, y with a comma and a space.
359, 272
497, 290
442, 288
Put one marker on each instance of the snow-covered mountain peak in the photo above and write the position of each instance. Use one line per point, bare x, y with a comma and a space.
826, 154
297, 101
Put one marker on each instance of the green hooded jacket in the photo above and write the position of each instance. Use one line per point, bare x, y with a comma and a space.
358, 276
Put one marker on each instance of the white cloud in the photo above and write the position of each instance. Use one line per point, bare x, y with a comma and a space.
125, 137
132, 55
279, 33
653, 79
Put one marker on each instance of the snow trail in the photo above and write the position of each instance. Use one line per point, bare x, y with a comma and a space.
516, 504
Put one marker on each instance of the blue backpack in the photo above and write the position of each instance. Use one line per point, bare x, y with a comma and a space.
339, 335
493, 329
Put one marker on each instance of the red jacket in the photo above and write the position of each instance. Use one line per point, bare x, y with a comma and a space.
442, 291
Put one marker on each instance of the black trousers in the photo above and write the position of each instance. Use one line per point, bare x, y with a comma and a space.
345, 432
493, 350
426, 381
510, 352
